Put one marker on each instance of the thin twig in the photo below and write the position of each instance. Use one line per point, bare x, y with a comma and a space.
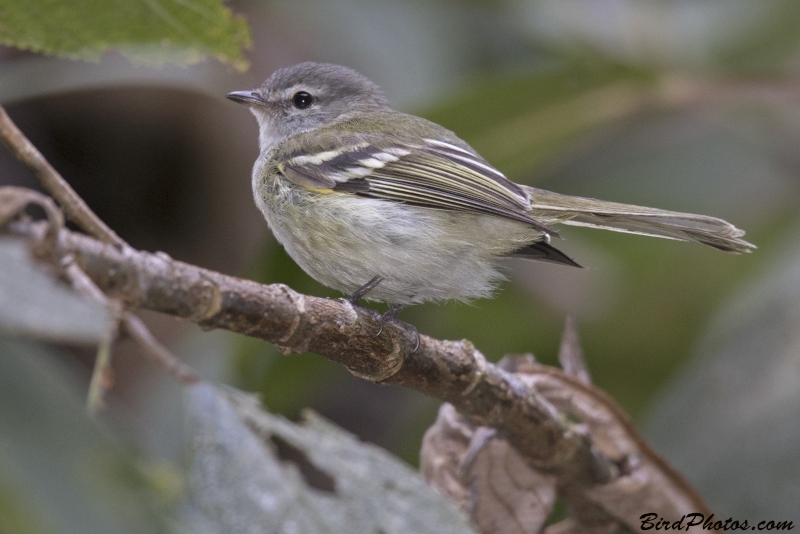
83, 284
14, 200
100, 377
76, 209
73, 205
134, 326
101, 372
158, 352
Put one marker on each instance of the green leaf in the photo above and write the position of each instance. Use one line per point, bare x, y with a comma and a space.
147, 31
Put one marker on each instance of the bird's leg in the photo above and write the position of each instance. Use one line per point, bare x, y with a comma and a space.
391, 314
359, 293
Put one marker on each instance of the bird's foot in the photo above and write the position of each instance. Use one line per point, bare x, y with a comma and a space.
355, 297
391, 317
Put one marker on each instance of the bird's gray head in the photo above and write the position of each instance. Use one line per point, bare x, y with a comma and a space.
307, 96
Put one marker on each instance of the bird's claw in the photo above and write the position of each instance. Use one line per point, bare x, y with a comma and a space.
391, 316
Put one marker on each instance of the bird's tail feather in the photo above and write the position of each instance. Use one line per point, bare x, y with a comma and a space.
549, 208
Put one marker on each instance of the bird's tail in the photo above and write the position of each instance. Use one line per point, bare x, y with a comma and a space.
549, 208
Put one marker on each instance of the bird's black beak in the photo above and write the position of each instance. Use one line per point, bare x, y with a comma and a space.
247, 97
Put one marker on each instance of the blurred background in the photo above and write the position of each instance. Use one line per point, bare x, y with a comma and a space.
688, 105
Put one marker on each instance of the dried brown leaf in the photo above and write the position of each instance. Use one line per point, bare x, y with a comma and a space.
567, 526
645, 483
485, 476
443, 447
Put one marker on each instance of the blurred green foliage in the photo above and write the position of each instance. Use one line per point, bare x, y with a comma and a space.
16, 515
766, 45
150, 32
519, 122
59, 471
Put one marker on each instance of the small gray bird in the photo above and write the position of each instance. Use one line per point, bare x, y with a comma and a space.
391, 207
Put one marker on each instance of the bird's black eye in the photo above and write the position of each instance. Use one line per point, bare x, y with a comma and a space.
302, 100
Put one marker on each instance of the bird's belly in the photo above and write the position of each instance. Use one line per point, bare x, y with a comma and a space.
423, 254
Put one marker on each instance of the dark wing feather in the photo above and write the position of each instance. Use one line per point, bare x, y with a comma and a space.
544, 251
433, 174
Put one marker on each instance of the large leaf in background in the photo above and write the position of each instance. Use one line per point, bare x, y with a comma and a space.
147, 31
251, 471
34, 304
247, 470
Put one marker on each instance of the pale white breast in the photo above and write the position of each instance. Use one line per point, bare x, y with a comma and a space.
424, 254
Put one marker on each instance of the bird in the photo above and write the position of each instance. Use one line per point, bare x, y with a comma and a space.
390, 207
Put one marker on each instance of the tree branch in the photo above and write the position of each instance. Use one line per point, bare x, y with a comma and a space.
340, 332
134, 327
453, 371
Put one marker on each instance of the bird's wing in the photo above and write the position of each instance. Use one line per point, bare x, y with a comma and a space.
431, 173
